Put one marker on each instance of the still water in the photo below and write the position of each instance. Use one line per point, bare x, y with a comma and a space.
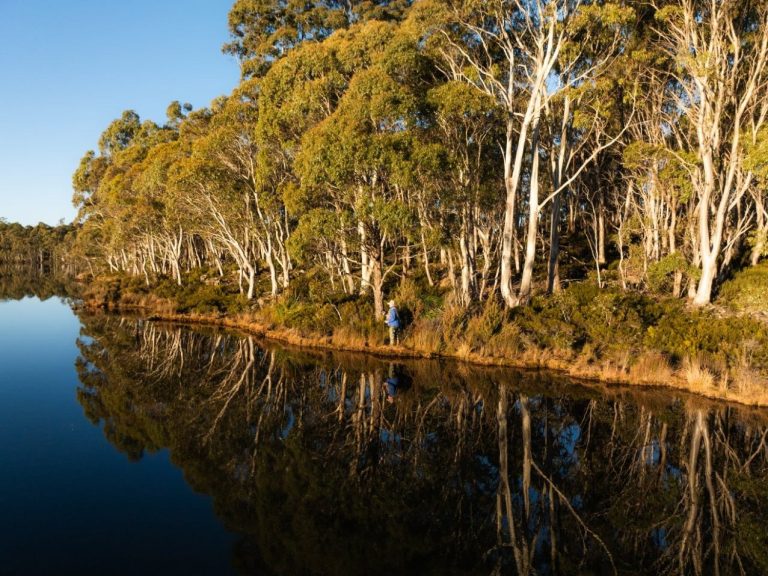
70, 501
134, 447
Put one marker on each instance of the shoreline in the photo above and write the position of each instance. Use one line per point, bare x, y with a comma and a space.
603, 374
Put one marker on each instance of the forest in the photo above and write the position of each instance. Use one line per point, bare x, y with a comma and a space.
589, 170
481, 141
41, 247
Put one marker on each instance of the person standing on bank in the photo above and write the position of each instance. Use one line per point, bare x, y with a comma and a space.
392, 319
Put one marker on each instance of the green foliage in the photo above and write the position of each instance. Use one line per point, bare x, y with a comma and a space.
759, 238
263, 31
756, 159
395, 218
660, 274
611, 324
482, 327
42, 247
669, 14
723, 342
195, 295
459, 101
547, 321
120, 133
314, 234
418, 299
747, 291
305, 317
671, 168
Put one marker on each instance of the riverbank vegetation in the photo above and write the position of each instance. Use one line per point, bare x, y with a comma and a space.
586, 331
570, 182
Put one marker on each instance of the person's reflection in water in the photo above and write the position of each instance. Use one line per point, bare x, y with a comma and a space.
391, 383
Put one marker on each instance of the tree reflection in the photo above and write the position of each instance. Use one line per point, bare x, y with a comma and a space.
332, 464
21, 281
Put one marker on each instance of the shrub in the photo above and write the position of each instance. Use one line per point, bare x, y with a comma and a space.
295, 314
547, 322
357, 317
746, 291
426, 335
203, 299
507, 342
725, 340
453, 323
661, 274
416, 299
482, 327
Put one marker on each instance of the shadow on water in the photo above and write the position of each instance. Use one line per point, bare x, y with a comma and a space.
327, 463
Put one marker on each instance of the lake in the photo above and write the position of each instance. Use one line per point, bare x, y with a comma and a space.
130, 446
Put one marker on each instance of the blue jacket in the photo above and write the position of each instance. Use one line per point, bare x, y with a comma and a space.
393, 319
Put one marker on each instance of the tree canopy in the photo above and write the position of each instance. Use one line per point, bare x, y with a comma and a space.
499, 149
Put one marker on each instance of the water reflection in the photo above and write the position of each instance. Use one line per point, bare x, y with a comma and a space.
332, 464
20, 281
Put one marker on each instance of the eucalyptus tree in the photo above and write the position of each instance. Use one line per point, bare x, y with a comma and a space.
587, 106
232, 145
264, 31
167, 222
39, 248
756, 161
644, 182
91, 170
659, 200
466, 122
211, 187
349, 158
85, 183
298, 92
523, 54
483, 47
570, 44
720, 50
109, 207
353, 162
120, 133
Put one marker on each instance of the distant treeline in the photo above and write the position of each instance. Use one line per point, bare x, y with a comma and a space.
496, 149
41, 246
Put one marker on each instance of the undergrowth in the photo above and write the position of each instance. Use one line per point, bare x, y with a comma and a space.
604, 330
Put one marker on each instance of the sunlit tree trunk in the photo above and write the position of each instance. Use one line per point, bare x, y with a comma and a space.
533, 215
377, 283
365, 260
761, 231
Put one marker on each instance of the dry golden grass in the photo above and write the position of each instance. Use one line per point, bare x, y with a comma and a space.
651, 368
425, 336
750, 387
348, 338
537, 357
463, 351
697, 376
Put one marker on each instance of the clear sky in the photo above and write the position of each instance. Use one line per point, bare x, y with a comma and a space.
69, 67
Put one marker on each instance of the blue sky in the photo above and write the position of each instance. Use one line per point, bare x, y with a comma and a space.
69, 67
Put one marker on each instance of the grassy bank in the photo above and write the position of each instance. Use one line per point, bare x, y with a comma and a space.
584, 331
